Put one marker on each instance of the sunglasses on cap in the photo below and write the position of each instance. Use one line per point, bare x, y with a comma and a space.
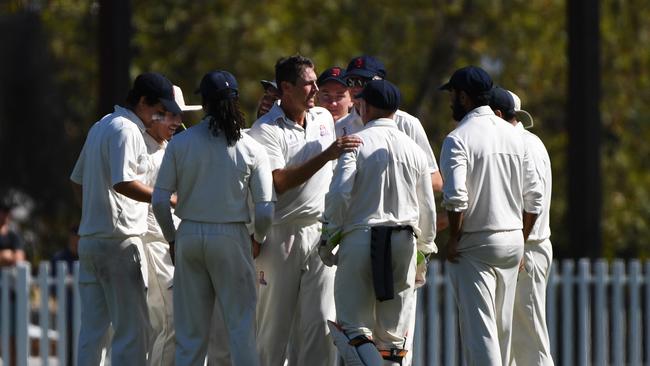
360, 82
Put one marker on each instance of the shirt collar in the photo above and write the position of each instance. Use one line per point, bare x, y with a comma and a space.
520, 126
131, 116
381, 122
483, 110
278, 114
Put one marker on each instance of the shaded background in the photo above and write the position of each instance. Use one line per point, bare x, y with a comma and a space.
581, 68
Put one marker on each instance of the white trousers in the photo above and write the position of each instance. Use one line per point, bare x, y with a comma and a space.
214, 264
530, 341
484, 281
357, 308
112, 293
159, 301
294, 286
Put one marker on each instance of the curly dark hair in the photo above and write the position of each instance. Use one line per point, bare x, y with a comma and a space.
225, 116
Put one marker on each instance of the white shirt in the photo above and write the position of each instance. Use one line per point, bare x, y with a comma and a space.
156, 152
211, 179
406, 123
114, 152
289, 144
537, 150
483, 162
386, 181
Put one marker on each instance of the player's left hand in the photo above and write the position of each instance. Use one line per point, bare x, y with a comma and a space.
341, 145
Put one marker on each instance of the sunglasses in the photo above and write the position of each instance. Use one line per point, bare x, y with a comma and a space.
352, 82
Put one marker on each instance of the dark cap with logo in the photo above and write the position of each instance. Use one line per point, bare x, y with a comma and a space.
470, 79
381, 94
332, 74
153, 84
366, 67
502, 100
219, 84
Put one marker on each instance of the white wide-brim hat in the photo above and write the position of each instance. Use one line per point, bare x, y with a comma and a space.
178, 97
522, 116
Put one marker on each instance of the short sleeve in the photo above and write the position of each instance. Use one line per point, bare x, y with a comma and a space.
125, 156
167, 174
266, 135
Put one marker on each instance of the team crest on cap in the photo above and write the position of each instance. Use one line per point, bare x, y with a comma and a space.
336, 71
358, 63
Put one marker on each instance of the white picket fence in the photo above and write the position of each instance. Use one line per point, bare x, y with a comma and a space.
598, 313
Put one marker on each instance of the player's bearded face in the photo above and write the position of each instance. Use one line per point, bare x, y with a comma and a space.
457, 109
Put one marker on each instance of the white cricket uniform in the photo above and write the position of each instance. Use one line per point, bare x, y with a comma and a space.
387, 181
530, 339
160, 272
213, 249
489, 176
111, 284
293, 283
411, 126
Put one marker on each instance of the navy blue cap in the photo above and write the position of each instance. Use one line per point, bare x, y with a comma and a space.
470, 79
381, 94
502, 100
366, 67
332, 74
218, 84
153, 84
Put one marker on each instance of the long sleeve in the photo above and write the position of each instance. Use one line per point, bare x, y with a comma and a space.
337, 199
263, 220
427, 215
163, 212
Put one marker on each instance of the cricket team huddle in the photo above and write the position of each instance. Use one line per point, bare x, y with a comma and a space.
303, 240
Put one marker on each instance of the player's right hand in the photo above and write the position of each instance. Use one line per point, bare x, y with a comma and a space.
341, 145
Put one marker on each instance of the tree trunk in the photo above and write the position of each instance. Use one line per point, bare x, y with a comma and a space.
584, 128
114, 53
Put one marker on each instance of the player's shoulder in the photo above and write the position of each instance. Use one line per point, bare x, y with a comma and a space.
405, 116
321, 113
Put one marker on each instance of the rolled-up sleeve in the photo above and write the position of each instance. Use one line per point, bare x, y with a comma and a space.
533, 191
453, 161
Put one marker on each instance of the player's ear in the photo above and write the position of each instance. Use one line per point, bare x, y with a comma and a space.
498, 113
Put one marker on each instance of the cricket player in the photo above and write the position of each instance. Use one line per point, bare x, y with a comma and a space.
380, 200
294, 284
160, 267
270, 97
110, 171
530, 341
212, 166
360, 71
333, 93
489, 180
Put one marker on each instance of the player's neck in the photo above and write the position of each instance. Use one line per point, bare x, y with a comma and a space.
295, 114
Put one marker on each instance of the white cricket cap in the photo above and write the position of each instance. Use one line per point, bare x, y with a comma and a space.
178, 97
522, 116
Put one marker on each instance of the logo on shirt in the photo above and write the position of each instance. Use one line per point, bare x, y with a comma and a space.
323, 130
261, 280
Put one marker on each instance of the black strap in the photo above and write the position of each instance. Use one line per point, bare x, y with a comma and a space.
381, 258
